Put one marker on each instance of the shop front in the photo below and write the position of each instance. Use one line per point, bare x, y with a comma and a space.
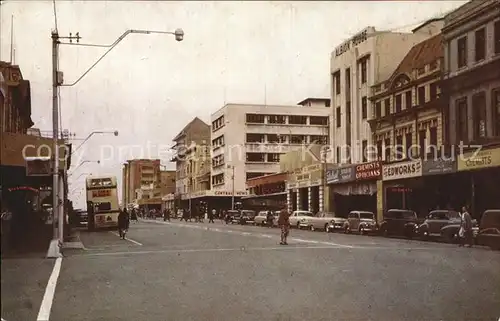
479, 175
353, 187
401, 185
168, 202
210, 199
266, 192
305, 189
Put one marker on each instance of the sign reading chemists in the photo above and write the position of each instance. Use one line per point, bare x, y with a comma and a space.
402, 170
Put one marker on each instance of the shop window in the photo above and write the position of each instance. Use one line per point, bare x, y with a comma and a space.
255, 157
277, 119
255, 118
387, 149
398, 103
297, 120
387, 107
421, 95
273, 157
496, 110
496, 37
480, 44
479, 115
433, 91
337, 117
255, 138
462, 130
336, 82
408, 101
422, 137
378, 109
462, 52
364, 107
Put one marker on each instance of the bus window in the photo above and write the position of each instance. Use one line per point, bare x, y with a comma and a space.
106, 182
103, 206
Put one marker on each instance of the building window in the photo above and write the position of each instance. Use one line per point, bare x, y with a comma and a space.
398, 103
255, 138
348, 82
275, 138
364, 77
433, 91
421, 95
434, 137
496, 37
273, 157
462, 52
337, 117
496, 110
480, 45
327, 103
379, 150
336, 81
387, 107
255, 157
364, 152
255, 118
318, 120
297, 120
479, 115
409, 143
364, 107
297, 139
399, 147
319, 139
218, 179
378, 109
218, 142
218, 123
218, 161
277, 119
422, 137
387, 149
462, 131
408, 101
348, 112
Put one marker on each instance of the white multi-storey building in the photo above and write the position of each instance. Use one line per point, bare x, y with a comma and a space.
247, 139
366, 59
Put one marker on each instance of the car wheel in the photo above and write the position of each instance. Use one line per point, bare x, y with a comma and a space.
361, 230
347, 230
327, 229
298, 226
312, 228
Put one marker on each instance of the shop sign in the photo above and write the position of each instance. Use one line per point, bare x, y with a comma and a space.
303, 184
225, 193
353, 42
477, 160
371, 170
292, 185
340, 175
439, 166
101, 193
23, 188
402, 170
303, 177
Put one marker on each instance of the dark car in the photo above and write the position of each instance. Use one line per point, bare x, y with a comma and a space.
436, 221
399, 223
234, 216
247, 216
489, 229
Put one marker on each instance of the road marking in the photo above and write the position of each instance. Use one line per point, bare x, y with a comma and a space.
130, 240
48, 297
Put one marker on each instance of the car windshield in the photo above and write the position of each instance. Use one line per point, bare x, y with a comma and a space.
366, 215
305, 214
408, 214
328, 215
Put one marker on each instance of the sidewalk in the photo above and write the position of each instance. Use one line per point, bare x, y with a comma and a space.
23, 282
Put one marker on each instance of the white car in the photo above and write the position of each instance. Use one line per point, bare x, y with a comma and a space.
325, 221
299, 217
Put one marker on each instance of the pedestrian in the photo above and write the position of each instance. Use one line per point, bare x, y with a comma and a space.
465, 232
168, 214
284, 224
123, 223
211, 215
133, 216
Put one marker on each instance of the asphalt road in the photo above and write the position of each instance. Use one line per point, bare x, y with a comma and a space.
193, 271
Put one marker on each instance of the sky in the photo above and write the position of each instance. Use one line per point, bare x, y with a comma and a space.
150, 86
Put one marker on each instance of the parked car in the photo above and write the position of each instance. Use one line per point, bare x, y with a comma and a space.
336, 224
400, 223
449, 233
489, 229
436, 220
299, 216
362, 222
234, 216
247, 217
321, 221
260, 218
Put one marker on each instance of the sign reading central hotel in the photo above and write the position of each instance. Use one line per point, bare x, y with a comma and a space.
402, 170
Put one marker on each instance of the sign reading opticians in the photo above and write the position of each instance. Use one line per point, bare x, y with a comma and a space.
371, 170
351, 43
402, 170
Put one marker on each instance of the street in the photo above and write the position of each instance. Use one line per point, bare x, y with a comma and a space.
193, 271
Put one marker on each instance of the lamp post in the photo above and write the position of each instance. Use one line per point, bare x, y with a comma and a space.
57, 81
84, 162
232, 193
91, 134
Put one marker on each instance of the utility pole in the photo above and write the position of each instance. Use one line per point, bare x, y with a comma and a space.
232, 197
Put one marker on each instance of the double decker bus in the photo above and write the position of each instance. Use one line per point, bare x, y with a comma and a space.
102, 202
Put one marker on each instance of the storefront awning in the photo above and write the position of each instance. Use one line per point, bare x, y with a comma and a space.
263, 196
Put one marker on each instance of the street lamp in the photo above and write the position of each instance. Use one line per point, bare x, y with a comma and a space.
85, 161
232, 193
57, 81
91, 134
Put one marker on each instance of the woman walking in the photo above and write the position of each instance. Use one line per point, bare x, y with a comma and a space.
123, 223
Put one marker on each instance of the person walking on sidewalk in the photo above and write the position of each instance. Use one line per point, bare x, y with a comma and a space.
284, 224
123, 223
211, 215
465, 232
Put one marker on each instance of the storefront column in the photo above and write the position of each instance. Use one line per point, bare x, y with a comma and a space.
321, 198
289, 200
380, 201
309, 199
299, 199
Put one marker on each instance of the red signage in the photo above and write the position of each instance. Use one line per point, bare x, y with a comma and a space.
23, 188
101, 193
368, 171
401, 190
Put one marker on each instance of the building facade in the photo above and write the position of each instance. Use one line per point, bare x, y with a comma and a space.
137, 173
362, 61
167, 182
248, 140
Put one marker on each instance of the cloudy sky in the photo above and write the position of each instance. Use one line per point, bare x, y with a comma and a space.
150, 86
